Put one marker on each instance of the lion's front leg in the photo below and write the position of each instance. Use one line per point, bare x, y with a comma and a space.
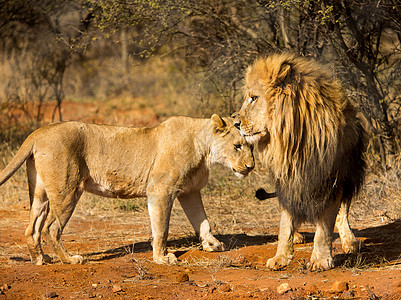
321, 258
159, 206
285, 247
193, 208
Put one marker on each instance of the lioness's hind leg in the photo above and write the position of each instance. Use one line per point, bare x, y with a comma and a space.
348, 240
193, 208
39, 209
61, 210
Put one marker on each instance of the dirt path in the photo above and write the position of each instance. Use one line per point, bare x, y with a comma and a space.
115, 269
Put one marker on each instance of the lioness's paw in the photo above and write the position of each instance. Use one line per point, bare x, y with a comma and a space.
169, 259
212, 245
278, 262
41, 260
322, 264
76, 259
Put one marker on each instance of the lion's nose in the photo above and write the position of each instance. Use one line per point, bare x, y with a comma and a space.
237, 123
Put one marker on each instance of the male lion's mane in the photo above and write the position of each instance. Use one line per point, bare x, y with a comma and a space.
316, 142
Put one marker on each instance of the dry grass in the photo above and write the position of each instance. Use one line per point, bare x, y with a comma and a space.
229, 203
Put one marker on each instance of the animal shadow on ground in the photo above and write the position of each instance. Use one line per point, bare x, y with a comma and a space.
231, 241
382, 246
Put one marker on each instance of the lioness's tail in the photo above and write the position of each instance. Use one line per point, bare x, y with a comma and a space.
16, 162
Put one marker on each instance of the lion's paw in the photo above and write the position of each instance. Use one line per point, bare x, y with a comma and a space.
278, 262
212, 245
299, 238
76, 260
169, 259
322, 264
353, 247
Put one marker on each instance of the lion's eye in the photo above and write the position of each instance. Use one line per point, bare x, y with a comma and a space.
237, 146
252, 99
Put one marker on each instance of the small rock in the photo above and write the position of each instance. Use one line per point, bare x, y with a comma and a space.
225, 288
182, 277
117, 288
51, 295
5, 287
348, 294
339, 286
283, 288
311, 288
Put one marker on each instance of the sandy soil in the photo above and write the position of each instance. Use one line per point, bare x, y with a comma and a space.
118, 268
118, 263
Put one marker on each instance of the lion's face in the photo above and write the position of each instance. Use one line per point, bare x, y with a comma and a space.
264, 84
251, 119
230, 148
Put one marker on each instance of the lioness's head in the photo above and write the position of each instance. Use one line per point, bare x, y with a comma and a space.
230, 148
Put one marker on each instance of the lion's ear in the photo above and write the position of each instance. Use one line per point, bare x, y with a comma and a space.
284, 74
219, 125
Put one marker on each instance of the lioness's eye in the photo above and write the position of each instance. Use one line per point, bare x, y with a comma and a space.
252, 99
238, 146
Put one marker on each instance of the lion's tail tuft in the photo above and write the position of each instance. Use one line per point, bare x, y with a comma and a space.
261, 194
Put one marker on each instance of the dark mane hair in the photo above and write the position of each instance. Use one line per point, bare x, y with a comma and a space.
317, 141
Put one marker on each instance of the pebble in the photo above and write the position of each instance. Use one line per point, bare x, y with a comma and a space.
348, 294
5, 287
311, 288
51, 295
339, 286
225, 288
117, 288
283, 288
182, 277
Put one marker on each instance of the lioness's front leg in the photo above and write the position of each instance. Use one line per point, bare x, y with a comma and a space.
193, 208
321, 258
160, 203
285, 247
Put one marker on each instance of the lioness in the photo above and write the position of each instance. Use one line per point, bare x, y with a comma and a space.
168, 161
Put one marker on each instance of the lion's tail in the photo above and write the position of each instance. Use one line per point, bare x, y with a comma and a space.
261, 194
16, 162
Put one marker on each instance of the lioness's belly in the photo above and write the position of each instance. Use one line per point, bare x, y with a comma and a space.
116, 186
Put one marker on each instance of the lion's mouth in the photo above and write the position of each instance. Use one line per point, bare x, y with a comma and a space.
253, 138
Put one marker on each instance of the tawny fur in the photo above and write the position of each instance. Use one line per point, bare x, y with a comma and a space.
307, 132
168, 161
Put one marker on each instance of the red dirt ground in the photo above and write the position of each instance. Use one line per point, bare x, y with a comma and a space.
115, 270
118, 269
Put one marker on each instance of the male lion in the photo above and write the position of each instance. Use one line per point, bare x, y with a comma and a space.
312, 142
168, 161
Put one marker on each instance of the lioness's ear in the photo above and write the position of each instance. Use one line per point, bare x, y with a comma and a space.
283, 75
219, 125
